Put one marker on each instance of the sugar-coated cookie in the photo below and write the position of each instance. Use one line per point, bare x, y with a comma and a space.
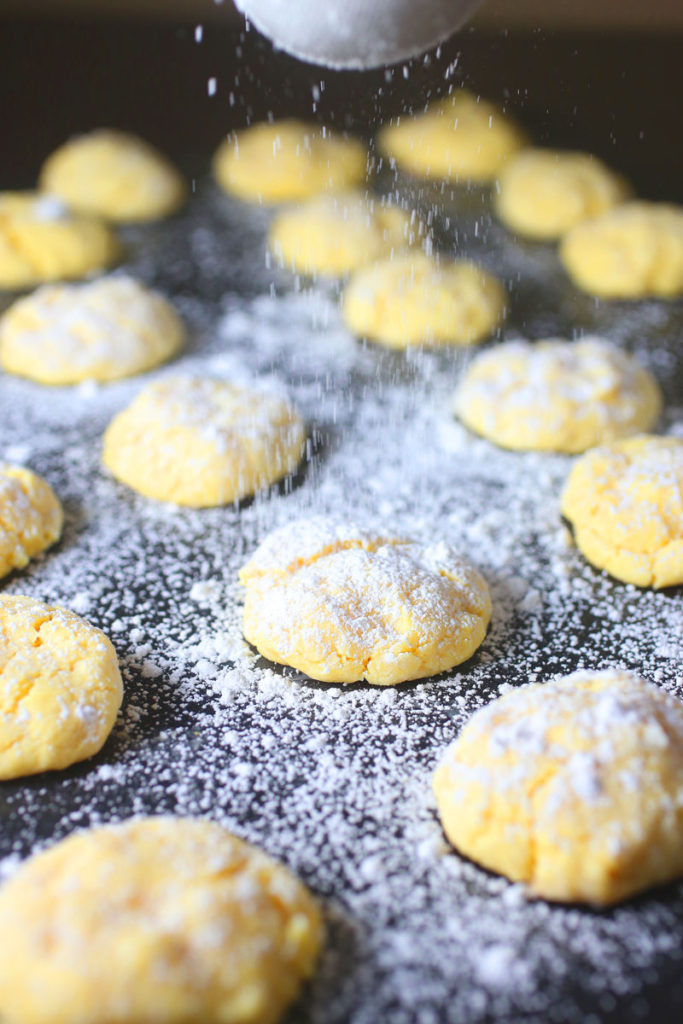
40, 241
413, 299
542, 193
630, 252
114, 175
574, 787
60, 689
154, 921
343, 604
459, 138
334, 234
201, 441
110, 328
287, 161
625, 504
562, 396
31, 516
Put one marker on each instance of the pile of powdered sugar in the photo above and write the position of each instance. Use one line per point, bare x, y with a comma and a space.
336, 780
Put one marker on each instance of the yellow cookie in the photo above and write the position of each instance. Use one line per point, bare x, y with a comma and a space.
334, 234
459, 138
562, 396
114, 175
342, 604
199, 441
287, 160
40, 241
542, 193
625, 504
630, 252
111, 328
155, 921
31, 517
60, 689
415, 300
574, 787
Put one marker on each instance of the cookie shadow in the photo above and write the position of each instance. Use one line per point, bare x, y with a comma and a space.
332, 992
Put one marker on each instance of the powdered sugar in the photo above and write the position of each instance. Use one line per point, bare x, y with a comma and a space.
336, 780
106, 329
547, 386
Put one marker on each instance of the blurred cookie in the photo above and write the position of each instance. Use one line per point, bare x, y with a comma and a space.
287, 161
344, 605
334, 234
60, 688
573, 787
542, 193
110, 328
40, 241
200, 441
414, 299
114, 175
562, 396
157, 919
459, 138
633, 251
31, 516
625, 503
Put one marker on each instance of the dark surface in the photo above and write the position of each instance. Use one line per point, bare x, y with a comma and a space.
137, 562
618, 96
596, 93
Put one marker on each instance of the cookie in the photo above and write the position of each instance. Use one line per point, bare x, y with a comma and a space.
625, 504
542, 193
334, 234
154, 921
111, 328
31, 517
573, 787
40, 241
344, 605
633, 251
561, 396
414, 299
200, 441
286, 161
114, 175
459, 138
60, 689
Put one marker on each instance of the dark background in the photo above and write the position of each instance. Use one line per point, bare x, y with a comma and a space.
616, 93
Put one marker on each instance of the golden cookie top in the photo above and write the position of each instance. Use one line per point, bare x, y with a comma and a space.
632, 251
203, 441
110, 328
287, 160
625, 503
343, 604
414, 299
334, 234
60, 687
41, 241
574, 786
31, 516
542, 193
461, 137
114, 175
156, 919
556, 395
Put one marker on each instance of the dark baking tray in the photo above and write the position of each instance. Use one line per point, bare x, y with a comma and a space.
335, 781
343, 810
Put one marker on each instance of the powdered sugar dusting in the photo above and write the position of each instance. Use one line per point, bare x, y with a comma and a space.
547, 386
103, 329
334, 780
